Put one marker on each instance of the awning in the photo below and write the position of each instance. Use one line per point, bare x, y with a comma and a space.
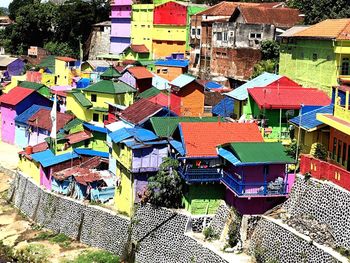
227, 155
178, 146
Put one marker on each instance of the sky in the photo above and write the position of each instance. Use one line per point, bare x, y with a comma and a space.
5, 3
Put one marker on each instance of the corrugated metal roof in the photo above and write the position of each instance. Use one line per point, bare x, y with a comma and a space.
160, 99
110, 87
241, 93
293, 30
308, 120
117, 126
30, 85
92, 127
72, 124
139, 48
149, 93
24, 116
90, 152
224, 108
229, 156
139, 134
47, 158
181, 63
160, 83
78, 137
140, 72
182, 80
178, 146
111, 73
15, 95
213, 85
42, 119
80, 97
260, 152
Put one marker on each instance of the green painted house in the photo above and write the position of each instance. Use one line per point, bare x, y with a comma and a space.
318, 55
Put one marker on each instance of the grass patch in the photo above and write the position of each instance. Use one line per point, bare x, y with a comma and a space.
61, 239
34, 253
95, 257
209, 234
46, 235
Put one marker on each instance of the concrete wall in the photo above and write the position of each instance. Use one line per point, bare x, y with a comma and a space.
100, 42
158, 234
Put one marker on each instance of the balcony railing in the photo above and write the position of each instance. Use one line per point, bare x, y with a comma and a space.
255, 189
201, 174
342, 113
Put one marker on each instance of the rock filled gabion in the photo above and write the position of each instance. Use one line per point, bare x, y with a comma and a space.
220, 218
273, 243
324, 202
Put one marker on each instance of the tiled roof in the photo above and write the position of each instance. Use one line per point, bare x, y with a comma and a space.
78, 137
110, 87
66, 59
80, 97
308, 120
224, 108
149, 93
140, 72
183, 80
181, 63
30, 85
201, 138
24, 116
42, 120
288, 98
140, 111
139, 48
329, 28
110, 73
165, 126
279, 17
15, 95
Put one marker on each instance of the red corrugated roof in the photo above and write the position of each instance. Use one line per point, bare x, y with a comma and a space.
15, 95
288, 98
160, 99
36, 148
140, 72
42, 119
129, 62
78, 137
280, 17
139, 48
140, 111
66, 59
201, 138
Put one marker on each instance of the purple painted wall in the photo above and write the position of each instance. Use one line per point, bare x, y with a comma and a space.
140, 184
121, 2
16, 68
121, 11
148, 159
37, 136
45, 178
121, 28
128, 79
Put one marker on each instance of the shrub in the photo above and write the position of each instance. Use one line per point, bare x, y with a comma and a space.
34, 253
210, 234
95, 257
234, 229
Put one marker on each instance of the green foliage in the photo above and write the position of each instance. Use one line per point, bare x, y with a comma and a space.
61, 239
45, 235
60, 49
95, 257
318, 10
292, 149
210, 234
34, 253
270, 49
264, 66
343, 251
319, 151
3, 11
234, 229
6, 252
15, 5
165, 188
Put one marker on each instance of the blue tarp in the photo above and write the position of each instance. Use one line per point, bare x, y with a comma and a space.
241, 93
95, 128
90, 152
47, 158
308, 120
229, 156
224, 108
101, 69
178, 146
213, 85
24, 116
172, 63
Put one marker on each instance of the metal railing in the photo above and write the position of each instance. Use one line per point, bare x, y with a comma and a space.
201, 174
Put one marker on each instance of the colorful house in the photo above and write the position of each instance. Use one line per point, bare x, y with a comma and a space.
65, 70
224, 108
98, 140
14, 83
13, 104
139, 154
170, 69
137, 77
255, 175
310, 129
121, 25
274, 106
136, 52
240, 94
194, 145
317, 56
40, 125
40, 88
22, 131
142, 25
10, 66
110, 74
92, 69
187, 96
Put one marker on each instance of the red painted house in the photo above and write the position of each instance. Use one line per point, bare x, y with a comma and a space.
139, 78
170, 13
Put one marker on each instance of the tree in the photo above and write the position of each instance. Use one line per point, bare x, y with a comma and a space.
270, 49
318, 10
264, 66
165, 188
60, 49
15, 5
3, 11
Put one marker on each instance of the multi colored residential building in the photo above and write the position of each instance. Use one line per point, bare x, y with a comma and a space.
65, 70
137, 77
170, 69
137, 52
121, 25
316, 56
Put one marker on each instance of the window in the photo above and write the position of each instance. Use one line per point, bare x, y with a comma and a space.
314, 57
193, 32
255, 36
158, 70
219, 36
218, 54
345, 66
105, 117
252, 35
339, 151
334, 148
225, 36
93, 97
258, 36
224, 55
164, 70
344, 153
198, 31
95, 117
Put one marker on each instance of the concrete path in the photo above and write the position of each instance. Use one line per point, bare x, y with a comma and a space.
9, 155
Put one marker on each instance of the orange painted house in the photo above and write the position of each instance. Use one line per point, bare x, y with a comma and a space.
170, 69
187, 96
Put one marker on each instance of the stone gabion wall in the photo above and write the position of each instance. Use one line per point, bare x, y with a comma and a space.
324, 202
159, 234
273, 243
221, 217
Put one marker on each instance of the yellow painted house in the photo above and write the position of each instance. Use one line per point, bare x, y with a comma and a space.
65, 70
14, 82
142, 25
90, 104
29, 167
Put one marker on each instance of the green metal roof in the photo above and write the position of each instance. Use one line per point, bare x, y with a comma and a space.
72, 124
48, 62
110, 87
80, 97
110, 73
146, 62
165, 126
100, 109
31, 85
260, 152
148, 93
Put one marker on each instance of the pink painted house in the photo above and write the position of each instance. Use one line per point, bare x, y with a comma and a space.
121, 25
14, 103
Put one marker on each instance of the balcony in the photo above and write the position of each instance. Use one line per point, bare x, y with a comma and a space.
199, 175
262, 189
273, 134
341, 113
